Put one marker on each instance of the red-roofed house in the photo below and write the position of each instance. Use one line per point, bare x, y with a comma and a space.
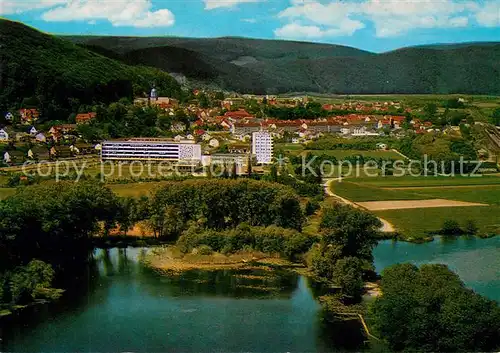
85, 118
397, 121
239, 114
383, 123
57, 131
198, 123
29, 116
199, 132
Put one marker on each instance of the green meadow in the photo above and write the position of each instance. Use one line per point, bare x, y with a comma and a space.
419, 223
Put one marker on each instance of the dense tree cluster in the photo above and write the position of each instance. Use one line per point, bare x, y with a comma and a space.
52, 223
23, 284
348, 236
339, 143
123, 119
272, 240
220, 204
56, 75
429, 309
443, 153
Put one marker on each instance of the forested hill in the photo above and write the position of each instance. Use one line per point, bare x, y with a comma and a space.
273, 66
56, 75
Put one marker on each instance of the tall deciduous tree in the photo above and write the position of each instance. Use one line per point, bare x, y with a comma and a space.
353, 230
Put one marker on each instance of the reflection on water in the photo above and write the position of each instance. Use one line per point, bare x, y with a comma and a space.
119, 305
476, 261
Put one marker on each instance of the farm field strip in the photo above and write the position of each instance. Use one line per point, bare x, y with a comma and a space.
361, 193
419, 222
420, 210
401, 205
426, 188
423, 182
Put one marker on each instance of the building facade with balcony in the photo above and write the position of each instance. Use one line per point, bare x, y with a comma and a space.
151, 150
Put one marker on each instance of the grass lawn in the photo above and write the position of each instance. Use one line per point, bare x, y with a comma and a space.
422, 181
360, 193
134, 189
288, 147
416, 223
482, 194
339, 154
6, 192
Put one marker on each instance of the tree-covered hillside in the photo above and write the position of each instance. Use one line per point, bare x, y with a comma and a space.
200, 67
286, 66
55, 74
226, 48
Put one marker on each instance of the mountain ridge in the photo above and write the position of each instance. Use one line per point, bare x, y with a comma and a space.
247, 65
275, 66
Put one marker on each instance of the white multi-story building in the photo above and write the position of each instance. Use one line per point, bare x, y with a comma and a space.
262, 146
151, 149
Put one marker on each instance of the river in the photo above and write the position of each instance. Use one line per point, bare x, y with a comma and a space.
120, 306
475, 260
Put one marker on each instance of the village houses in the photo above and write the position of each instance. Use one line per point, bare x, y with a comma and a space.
85, 118
29, 116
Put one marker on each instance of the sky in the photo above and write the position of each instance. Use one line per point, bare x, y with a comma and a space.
375, 25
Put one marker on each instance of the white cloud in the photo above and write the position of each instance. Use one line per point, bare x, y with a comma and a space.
9, 7
298, 31
392, 18
489, 15
315, 19
334, 17
136, 13
249, 20
215, 4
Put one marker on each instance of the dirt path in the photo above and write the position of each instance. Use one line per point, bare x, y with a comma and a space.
387, 227
402, 155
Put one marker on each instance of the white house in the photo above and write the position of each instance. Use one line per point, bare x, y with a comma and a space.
345, 131
40, 137
9, 116
32, 131
262, 146
4, 136
359, 131
214, 143
190, 137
